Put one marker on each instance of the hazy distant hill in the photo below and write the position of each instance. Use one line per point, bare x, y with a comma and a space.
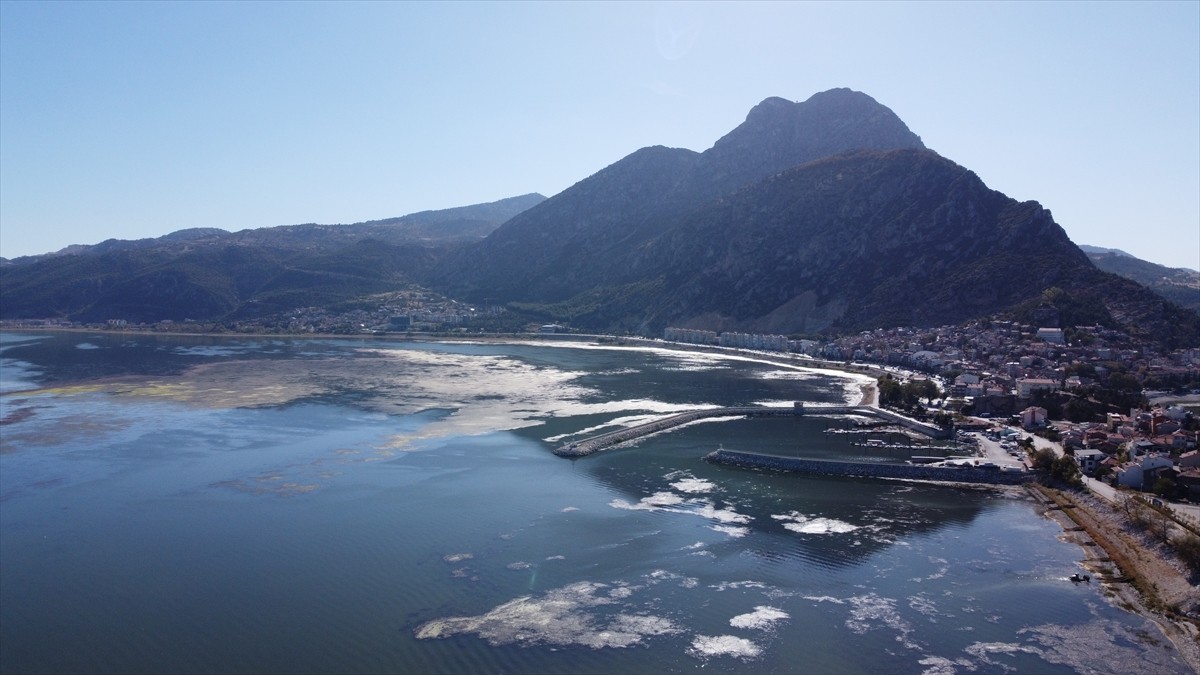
1177, 284
1100, 249
454, 225
208, 273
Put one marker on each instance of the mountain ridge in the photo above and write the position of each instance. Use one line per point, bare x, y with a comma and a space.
452, 224
1180, 285
630, 201
815, 217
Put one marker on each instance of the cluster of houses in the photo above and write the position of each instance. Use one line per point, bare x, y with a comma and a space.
999, 368
1139, 449
996, 352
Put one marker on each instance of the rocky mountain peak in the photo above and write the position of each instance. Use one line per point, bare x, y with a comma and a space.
779, 134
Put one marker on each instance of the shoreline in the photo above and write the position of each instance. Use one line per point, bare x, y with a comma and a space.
862, 374
1135, 577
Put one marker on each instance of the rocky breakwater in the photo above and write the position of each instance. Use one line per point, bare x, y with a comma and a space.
965, 474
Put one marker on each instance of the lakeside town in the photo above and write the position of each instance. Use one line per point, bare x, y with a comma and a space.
1093, 389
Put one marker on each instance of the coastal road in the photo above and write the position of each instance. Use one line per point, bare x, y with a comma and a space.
1098, 488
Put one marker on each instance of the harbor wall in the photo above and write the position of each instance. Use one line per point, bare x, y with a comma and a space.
821, 467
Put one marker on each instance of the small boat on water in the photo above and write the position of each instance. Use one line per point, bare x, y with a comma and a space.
1080, 577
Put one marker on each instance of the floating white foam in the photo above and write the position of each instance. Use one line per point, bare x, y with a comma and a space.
655, 502
563, 616
731, 530
673, 503
570, 509
798, 522
825, 598
871, 611
694, 485
724, 645
621, 592
939, 665
722, 515
983, 649
457, 557
519, 565
639, 624
762, 618
734, 585
923, 605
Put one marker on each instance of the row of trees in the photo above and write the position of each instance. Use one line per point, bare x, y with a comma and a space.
1061, 468
907, 395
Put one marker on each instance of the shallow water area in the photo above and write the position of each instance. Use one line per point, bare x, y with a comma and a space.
224, 505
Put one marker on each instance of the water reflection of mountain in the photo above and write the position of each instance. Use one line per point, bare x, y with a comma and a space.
828, 521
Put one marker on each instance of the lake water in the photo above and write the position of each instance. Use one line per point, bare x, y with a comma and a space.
172, 504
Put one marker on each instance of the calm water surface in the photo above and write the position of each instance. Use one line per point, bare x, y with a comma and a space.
223, 505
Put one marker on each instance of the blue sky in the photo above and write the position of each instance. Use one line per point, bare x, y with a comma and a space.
133, 120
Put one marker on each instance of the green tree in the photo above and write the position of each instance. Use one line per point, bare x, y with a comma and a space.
1164, 487
1043, 459
1065, 469
1187, 546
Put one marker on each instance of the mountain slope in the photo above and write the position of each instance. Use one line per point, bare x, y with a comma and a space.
764, 233
878, 239
566, 244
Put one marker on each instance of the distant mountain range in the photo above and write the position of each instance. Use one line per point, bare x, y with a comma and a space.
208, 273
823, 216
1180, 285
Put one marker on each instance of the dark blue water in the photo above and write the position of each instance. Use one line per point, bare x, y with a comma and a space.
199, 504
